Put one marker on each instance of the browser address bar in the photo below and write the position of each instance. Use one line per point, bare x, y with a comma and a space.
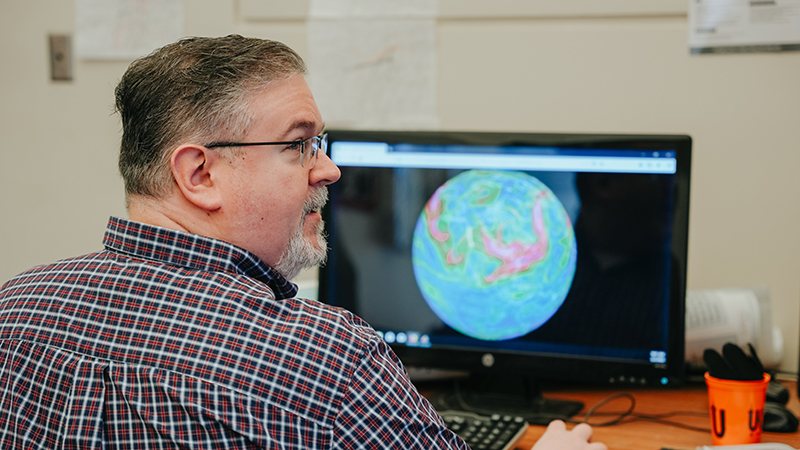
377, 154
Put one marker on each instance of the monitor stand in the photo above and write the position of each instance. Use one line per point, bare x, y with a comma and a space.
503, 394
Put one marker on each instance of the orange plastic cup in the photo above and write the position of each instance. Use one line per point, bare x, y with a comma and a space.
737, 410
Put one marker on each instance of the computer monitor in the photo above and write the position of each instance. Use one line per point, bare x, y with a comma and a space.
515, 257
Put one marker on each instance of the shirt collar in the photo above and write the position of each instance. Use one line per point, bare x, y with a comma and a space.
191, 250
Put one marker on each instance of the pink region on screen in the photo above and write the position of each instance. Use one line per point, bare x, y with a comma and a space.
452, 258
517, 256
433, 210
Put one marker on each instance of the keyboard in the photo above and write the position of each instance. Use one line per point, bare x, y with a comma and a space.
495, 432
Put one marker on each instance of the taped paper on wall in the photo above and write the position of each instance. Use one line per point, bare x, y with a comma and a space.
123, 29
373, 66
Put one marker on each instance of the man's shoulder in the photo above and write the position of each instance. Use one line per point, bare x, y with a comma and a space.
219, 326
348, 328
44, 272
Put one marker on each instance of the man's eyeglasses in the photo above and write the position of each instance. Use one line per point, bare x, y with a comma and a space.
309, 148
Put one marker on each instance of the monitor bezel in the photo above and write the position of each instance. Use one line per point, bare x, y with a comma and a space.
544, 366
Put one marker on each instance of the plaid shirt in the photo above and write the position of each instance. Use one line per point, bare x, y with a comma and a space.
172, 340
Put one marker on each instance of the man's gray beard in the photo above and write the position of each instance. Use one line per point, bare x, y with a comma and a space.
301, 252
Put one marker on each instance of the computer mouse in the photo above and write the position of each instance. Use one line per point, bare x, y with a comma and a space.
778, 419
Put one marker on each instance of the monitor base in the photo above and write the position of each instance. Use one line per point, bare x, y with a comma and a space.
508, 395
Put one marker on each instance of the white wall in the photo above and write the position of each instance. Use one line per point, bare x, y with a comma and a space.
620, 66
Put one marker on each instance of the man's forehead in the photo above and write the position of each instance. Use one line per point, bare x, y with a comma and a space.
286, 107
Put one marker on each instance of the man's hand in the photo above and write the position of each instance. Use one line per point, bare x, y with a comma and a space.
556, 437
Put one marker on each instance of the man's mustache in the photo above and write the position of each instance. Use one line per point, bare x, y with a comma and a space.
316, 201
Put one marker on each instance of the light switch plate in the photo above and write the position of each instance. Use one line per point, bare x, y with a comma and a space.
60, 57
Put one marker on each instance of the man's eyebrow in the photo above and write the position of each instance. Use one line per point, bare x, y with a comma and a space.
302, 124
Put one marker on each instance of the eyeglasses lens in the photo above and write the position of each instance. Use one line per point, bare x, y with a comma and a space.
323, 144
311, 148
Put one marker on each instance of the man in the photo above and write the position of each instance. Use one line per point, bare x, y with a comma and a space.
182, 332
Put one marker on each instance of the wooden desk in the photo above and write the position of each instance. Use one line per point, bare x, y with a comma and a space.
635, 434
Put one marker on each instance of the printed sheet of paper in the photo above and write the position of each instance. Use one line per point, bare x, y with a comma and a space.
374, 67
125, 29
743, 26
715, 317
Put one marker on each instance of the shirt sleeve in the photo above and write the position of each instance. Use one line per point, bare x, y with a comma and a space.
382, 409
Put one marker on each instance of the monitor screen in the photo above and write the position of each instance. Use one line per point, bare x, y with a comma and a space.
561, 256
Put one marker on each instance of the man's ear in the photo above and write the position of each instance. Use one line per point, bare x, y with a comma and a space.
194, 168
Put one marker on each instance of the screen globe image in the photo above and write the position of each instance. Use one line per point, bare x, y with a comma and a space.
494, 253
